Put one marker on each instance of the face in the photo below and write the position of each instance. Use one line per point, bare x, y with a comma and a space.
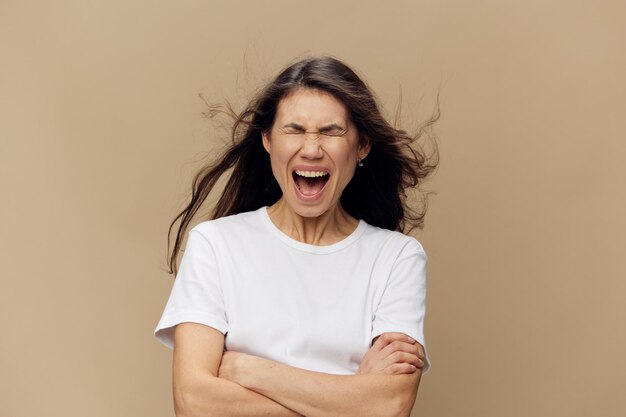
314, 148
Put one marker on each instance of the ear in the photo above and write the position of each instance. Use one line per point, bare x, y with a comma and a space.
266, 140
365, 145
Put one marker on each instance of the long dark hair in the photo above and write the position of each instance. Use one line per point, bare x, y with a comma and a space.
378, 191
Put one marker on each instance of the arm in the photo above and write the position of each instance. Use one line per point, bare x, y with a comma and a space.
197, 389
318, 394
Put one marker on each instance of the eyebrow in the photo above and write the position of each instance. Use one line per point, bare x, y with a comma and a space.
294, 126
326, 128
331, 126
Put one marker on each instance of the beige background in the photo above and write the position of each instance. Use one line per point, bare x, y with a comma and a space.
101, 130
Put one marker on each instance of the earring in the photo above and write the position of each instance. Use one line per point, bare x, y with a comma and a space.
359, 162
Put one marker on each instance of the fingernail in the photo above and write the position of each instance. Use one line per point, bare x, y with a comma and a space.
411, 339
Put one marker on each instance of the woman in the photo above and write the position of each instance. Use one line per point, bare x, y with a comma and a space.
301, 296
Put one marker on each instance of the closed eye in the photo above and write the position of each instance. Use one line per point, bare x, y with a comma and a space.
293, 132
333, 130
293, 129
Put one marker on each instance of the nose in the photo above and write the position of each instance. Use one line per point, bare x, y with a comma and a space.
311, 147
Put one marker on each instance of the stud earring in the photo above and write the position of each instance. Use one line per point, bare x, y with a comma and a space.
359, 162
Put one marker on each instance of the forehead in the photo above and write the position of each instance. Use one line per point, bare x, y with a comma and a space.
311, 107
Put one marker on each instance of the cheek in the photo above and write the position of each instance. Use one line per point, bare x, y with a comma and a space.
276, 164
279, 158
347, 157
345, 162
349, 173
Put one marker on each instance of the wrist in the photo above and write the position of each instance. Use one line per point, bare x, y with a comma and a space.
252, 370
254, 373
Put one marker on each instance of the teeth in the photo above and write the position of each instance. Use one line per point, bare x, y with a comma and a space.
311, 174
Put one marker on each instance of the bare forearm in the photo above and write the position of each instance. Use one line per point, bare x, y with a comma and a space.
318, 394
219, 397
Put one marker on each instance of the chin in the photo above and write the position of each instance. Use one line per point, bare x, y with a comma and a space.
310, 210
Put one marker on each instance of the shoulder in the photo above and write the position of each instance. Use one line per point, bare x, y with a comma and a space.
237, 224
392, 241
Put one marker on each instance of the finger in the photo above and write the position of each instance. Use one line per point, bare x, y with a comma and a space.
402, 357
422, 352
399, 336
388, 337
398, 346
400, 368
379, 343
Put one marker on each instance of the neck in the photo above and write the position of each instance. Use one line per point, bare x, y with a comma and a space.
331, 227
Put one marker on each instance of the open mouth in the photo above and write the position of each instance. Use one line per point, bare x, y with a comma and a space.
310, 183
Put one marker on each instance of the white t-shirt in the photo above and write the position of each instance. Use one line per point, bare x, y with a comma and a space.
312, 307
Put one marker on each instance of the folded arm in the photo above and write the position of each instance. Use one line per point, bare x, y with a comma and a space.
318, 394
198, 392
211, 382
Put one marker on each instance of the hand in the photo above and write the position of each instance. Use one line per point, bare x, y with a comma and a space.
393, 354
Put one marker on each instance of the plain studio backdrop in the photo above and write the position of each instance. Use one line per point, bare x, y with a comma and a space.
101, 130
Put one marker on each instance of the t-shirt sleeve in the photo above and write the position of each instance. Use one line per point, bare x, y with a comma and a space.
196, 294
403, 304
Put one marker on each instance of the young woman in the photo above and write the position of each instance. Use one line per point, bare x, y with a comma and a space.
302, 296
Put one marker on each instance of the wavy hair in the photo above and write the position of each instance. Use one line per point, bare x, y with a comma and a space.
377, 192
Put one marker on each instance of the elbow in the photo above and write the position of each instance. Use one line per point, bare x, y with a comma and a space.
190, 400
406, 405
181, 409
401, 406
404, 409
390, 396
398, 404
391, 408
402, 402
398, 407
184, 403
